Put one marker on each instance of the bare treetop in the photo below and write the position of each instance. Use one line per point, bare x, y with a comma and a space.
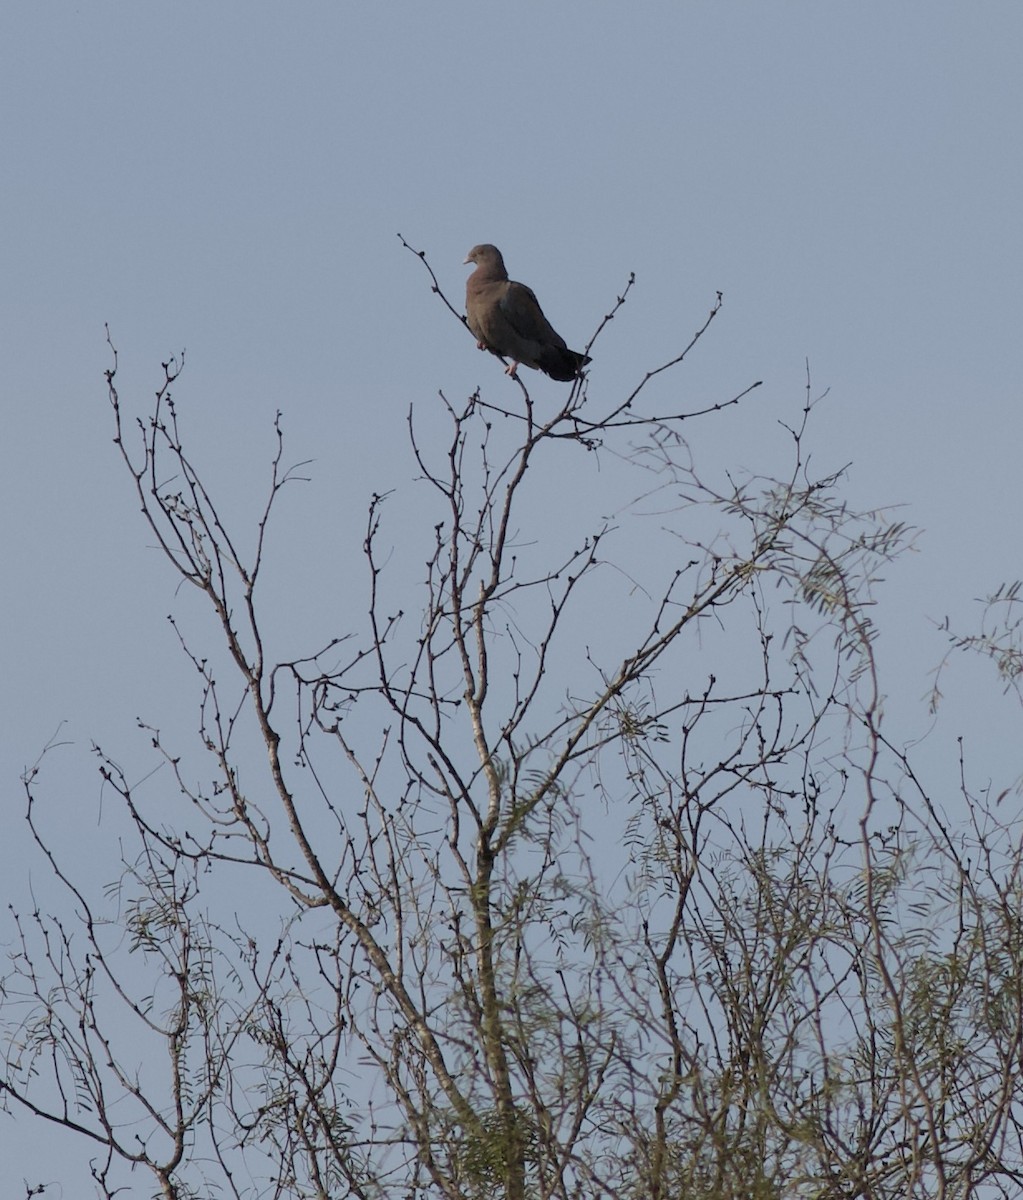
578, 867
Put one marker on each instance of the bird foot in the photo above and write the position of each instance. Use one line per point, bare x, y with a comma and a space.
512, 369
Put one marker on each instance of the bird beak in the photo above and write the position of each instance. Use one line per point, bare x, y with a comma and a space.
466, 260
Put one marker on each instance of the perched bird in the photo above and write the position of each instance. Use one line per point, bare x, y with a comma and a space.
507, 320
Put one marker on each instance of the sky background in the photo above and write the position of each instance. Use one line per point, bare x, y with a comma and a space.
230, 178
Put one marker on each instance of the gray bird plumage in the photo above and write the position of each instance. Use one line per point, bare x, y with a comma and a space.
507, 320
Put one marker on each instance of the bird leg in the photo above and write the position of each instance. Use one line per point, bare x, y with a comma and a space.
512, 369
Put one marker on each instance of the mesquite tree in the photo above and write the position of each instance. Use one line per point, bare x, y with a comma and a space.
581, 867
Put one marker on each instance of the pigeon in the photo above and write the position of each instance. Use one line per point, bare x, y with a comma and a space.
507, 320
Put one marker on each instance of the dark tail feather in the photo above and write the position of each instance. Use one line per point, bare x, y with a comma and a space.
563, 365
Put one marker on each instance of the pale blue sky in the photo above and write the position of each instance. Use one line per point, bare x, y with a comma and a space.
229, 178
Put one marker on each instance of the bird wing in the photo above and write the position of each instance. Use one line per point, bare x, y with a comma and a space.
523, 313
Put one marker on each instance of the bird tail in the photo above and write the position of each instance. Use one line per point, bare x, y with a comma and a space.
563, 365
